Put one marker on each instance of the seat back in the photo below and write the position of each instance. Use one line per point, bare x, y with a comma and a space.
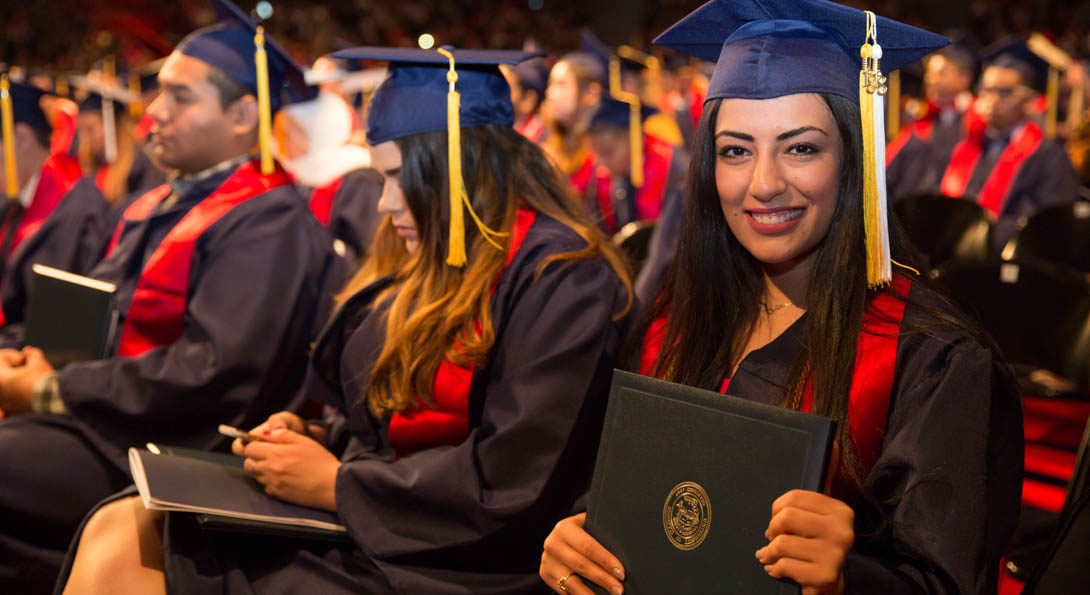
1039, 315
634, 239
945, 229
1059, 234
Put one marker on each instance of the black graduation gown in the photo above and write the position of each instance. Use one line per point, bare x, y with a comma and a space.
919, 165
256, 287
1046, 179
942, 500
468, 518
354, 217
67, 240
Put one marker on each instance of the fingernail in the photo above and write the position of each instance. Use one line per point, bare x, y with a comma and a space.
617, 590
768, 569
758, 553
617, 572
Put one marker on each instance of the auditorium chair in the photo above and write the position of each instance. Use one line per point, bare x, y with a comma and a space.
1058, 234
944, 229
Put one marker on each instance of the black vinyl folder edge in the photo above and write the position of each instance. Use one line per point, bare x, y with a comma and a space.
215, 485
685, 479
70, 317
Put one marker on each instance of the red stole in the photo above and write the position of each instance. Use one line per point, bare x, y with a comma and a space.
921, 128
321, 200
533, 128
967, 154
156, 316
447, 422
657, 157
59, 173
872, 377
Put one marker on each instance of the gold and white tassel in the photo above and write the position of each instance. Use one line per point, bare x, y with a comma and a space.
872, 86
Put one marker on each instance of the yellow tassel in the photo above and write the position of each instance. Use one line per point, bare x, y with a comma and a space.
459, 197
7, 116
872, 85
635, 124
1052, 95
136, 108
264, 108
109, 124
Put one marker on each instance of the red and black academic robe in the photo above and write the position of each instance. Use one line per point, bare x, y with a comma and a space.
143, 176
941, 497
616, 202
348, 207
533, 128
70, 239
1011, 179
57, 176
457, 512
917, 157
224, 341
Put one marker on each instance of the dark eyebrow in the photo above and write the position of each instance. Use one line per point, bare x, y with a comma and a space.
392, 173
781, 137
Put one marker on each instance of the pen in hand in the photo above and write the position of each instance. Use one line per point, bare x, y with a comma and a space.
234, 432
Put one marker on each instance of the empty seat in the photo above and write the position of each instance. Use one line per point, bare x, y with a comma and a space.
944, 229
1059, 234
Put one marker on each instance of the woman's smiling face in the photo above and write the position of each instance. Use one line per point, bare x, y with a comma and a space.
777, 173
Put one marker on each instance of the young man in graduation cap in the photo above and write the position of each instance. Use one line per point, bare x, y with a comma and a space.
916, 158
221, 278
60, 219
1006, 164
108, 148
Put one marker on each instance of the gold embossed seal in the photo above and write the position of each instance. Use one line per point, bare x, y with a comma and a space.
687, 515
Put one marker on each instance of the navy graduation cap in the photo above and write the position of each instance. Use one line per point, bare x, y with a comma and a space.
772, 48
26, 106
1015, 54
229, 46
436, 90
613, 113
413, 97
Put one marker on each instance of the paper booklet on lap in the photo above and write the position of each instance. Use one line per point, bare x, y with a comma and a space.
214, 485
70, 317
684, 484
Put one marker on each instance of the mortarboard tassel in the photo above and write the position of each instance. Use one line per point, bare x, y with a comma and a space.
264, 110
136, 107
7, 116
635, 129
456, 251
872, 86
1052, 95
109, 124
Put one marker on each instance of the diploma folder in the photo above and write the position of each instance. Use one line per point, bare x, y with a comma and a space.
70, 317
224, 496
684, 483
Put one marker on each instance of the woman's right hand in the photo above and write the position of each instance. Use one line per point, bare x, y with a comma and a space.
572, 557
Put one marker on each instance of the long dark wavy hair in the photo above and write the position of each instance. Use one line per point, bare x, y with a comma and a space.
443, 312
836, 294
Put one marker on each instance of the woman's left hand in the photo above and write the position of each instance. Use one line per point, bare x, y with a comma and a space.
810, 535
293, 467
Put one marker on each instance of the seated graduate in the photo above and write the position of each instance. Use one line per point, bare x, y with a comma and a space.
107, 146
1005, 162
468, 367
312, 140
806, 313
51, 216
644, 178
220, 281
528, 81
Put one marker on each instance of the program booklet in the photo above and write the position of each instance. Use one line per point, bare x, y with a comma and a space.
684, 483
216, 486
70, 317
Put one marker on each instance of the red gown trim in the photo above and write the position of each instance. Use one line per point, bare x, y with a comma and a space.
321, 200
967, 154
59, 174
447, 422
156, 316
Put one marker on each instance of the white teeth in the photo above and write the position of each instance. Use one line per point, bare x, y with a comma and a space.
777, 217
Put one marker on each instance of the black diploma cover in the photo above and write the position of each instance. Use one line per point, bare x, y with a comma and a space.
684, 484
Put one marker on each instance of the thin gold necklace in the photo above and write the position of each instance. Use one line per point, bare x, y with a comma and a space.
770, 310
